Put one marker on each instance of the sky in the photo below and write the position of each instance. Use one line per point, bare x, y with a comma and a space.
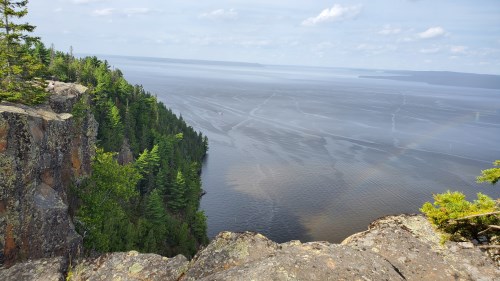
453, 35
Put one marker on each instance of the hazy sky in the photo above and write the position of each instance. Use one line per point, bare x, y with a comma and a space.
457, 35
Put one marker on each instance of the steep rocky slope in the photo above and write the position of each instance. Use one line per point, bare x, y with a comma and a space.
43, 150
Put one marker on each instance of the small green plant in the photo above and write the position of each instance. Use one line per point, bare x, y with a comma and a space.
80, 109
457, 217
490, 175
449, 208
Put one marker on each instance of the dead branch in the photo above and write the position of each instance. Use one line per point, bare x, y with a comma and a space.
490, 227
479, 215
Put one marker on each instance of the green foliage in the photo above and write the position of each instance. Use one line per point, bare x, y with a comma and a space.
449, 209
200, 226
148, 161
104, 200
162, 215
80, 109
490, 175
450, 206
178, 199
19, 69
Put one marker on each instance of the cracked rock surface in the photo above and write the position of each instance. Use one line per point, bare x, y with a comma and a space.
393, 248
411, 244
43, 150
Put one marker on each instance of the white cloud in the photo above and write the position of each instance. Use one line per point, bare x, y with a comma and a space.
335, 13
374, 49
458, 49
137, 11
220, 14
255, 43
58, 10
87, 1
389, 30
103, 12
432, 50
432, 32
124, 12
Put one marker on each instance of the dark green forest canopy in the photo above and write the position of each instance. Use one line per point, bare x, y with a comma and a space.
156, 208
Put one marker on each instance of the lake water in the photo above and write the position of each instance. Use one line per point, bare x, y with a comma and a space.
318, 153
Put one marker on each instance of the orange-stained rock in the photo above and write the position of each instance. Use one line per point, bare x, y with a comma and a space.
9, 250
47, 177
4, 131
75, 160
47, 152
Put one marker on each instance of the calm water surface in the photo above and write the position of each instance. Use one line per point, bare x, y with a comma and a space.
317, 154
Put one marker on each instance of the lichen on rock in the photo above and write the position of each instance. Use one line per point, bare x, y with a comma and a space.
42, 152
412, 245
130, 266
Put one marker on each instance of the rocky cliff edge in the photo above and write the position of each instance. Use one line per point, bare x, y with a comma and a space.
43, 151
393, 248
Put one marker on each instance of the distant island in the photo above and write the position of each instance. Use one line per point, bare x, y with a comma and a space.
445, 78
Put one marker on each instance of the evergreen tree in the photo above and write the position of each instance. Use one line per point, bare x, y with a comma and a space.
155, 211
178, 193
18, 68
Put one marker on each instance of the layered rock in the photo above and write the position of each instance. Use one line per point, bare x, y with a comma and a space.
251, 256
130, 266
45, 269
411, 244
43, 150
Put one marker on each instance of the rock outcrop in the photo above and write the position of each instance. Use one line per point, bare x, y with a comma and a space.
411, 244
130, 266
43, 150
393, 248
251, 256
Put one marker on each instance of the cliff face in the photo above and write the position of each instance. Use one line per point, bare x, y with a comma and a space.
43, 150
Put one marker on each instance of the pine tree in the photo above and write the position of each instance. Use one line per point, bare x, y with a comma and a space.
178, 193
18, 68
155, 210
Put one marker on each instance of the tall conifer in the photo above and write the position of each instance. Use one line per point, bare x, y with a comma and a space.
18, 68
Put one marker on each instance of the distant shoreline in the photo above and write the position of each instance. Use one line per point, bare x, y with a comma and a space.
444, 78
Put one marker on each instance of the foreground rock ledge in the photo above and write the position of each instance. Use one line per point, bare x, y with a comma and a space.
393, 248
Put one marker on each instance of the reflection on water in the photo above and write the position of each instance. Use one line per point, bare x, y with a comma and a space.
317, 154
